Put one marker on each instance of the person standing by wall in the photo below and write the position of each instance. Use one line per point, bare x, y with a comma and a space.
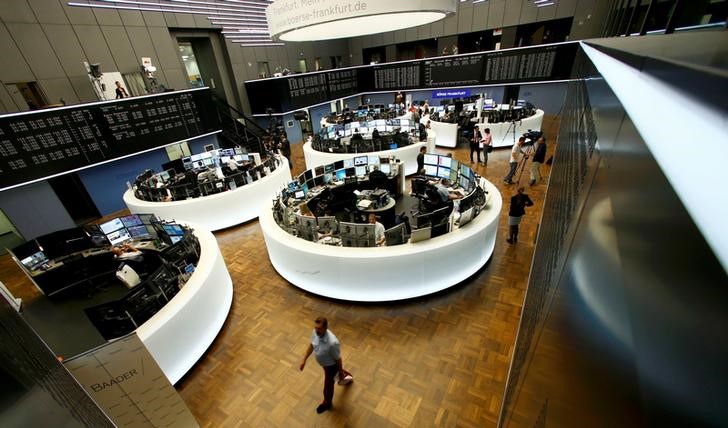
538, 158
519, 202
120, 91
328, 354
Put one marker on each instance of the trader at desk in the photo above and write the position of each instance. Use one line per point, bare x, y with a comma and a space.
378, 179
443, 190
378, 230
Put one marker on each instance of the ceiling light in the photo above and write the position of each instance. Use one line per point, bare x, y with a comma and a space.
290, 22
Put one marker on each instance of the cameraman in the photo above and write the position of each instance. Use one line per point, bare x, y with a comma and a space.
538, 158
518, 151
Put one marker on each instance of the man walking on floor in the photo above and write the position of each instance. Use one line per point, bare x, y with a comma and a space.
328, 354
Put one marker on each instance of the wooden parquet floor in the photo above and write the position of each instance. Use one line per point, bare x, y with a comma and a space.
440, 360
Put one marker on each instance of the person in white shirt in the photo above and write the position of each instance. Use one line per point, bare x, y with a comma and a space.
487, 143
519, 149
378, 230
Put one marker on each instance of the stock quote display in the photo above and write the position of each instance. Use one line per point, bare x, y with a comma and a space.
44, 143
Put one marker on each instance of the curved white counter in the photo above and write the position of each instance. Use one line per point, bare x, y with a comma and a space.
220, 210
408, 156
184, 328
384, 273
503, 132
447, 133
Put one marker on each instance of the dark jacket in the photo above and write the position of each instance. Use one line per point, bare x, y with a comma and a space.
519, 203
540, 154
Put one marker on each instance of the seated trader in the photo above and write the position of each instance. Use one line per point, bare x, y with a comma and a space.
378, 179
378, 230
444, 193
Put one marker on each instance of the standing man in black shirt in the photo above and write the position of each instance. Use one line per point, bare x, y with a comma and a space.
285, 147
421, 160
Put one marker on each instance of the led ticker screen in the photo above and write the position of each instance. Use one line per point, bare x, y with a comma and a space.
43, 143
533, 63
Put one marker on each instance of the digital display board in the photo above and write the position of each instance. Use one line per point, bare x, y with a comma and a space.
43, 143
533, 63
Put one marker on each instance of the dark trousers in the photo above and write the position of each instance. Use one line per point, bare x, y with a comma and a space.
329, 375
474, 148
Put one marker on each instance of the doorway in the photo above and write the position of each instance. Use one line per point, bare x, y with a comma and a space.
302, 67
198, 57
28, 93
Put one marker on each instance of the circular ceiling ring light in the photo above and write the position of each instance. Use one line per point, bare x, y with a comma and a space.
311, 20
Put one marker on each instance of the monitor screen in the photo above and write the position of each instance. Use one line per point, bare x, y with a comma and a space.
373, 160
205, 155
225, 159
147, 218
163, 176
138, 232
340, 174
329, 168
361, 171
131, 220
360, 160
299, 194
304, 187
111, 226
443, 172
431, 159
301, 179
208, 162
319, 170
464, 170
173, 229
464, 183
187, 163
386, 168
308, 174
350, 172
227, 152
34, 260
327, 177
431, 170
393, 146
118, 236
318, 181
453, 176
339, 164
444, 161
175, 239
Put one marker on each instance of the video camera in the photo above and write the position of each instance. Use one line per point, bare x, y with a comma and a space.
532, 136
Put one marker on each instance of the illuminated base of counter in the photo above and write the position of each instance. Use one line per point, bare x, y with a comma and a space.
408, 155
384, 273
220, 210
184, 328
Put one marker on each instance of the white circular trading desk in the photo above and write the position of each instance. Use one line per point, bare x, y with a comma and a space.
221, 210
184, 328
408, 155
384, 273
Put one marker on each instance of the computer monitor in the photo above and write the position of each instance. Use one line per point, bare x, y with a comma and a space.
177, 165
304, 187
299, 194
443, 172
431, 170
339, 164
147, 218
373, 160
386, 168
118, 236
139, 232
350, 172
328, 168
318, 181
421, 234
175, 239
464, 170
431, 159
319, 170
464, 182
34, 260
340, 174
209, 147
361, 171
444, 161
131, 220
327, 177
454, 176
308, 174
328, 224
348, 163
111, 225
465, 217
395, 235
347, 230
360, 160
173, 229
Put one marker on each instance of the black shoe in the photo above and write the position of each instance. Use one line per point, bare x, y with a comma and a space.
509, 240
532, 182
323, 407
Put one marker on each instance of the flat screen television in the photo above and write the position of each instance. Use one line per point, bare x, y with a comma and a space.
361, 160
431, 159
131, 220
173, 229
111, 225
